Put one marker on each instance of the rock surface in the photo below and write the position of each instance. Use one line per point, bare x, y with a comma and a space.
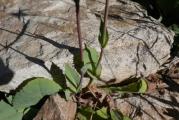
56, 108
35, 33
150, 107
160, 103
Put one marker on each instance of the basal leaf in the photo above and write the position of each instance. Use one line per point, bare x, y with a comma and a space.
9, 98
8, 112
102, 113
34, 91
84, 113
90, 55
143, 86
140, 87
68, 93
115, 115
73, 78
126, 118
90, 58
87, 113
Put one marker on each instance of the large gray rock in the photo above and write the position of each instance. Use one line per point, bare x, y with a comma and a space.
35, 33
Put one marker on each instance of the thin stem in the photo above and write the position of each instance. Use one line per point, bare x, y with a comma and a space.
79, 28
104, 29
100, 57
77, 2
106, 14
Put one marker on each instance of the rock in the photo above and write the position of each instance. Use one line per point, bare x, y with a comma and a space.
35, 33
150, 107
160, 103
57, 108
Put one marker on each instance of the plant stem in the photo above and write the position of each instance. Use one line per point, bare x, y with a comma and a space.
104, 29
77, 2
106, 14
100, 56
79, 28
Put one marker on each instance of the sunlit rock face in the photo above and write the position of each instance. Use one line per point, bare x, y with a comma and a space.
35, 33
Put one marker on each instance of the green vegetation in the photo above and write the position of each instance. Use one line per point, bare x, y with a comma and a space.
25, 101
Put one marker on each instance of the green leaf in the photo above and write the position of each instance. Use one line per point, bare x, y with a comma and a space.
140, 87
98, 70
84, 69
103, 37
90, 58
126, 118
115, 115
143, 86
90, 55
34, 91
9, 98
102, 113
73, 78
7, 112
68, 94
84, 113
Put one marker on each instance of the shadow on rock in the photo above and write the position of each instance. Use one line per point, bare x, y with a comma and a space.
6, 74
172, 113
